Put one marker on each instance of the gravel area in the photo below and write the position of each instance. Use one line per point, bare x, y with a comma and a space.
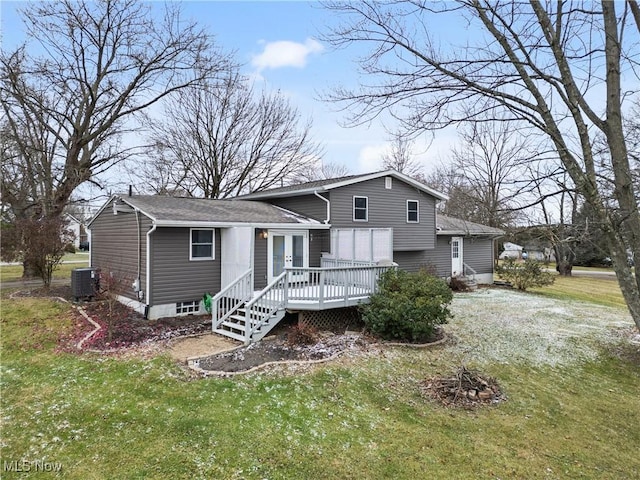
506, 326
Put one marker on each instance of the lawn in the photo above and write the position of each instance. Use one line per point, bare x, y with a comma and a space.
359, 417
602, 291
9, 273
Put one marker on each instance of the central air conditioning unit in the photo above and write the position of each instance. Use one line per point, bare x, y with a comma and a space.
84, 283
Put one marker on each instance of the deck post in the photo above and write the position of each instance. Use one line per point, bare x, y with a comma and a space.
321, 288
285, 289
346, 277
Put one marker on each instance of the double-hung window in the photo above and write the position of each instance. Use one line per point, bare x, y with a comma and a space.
202, 244
413, 211
360, 209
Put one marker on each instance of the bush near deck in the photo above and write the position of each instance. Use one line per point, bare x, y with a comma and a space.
408, 306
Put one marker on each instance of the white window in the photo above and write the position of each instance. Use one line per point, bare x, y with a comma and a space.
187, 308
388, 183
360, 209
202, 244
362, 244
413, 214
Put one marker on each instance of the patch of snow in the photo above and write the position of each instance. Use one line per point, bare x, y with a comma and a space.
505, 326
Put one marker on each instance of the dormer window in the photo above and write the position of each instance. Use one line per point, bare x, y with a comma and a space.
413, 211
360, 209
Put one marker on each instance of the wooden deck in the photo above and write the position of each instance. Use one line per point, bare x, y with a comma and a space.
330, 287
241, 313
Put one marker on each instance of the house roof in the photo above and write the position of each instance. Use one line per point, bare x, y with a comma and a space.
181, 211
326, 185
455, 226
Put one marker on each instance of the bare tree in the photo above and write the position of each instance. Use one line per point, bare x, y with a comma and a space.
489, 164
224, 139
546, 64
69, 107
401, 157
323, 171
40, 243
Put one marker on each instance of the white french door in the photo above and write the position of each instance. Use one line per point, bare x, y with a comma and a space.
287, 249
457, 259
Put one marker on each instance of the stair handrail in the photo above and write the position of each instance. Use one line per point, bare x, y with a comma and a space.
231, 303
278, 286
473, 272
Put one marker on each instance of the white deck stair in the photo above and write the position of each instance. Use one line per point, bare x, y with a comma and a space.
240, 314
235, 326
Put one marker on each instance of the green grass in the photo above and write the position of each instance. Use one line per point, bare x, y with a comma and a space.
602, 291
10, 273
76, 257
110, 417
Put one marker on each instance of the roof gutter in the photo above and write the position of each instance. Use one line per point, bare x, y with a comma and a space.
326, 221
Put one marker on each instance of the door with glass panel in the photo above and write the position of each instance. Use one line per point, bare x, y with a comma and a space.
457, 258
287, 250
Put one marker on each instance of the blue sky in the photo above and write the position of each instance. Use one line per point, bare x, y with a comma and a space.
276, 42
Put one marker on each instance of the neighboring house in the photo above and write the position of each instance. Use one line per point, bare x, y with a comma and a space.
511, 250
78, 229
310, 247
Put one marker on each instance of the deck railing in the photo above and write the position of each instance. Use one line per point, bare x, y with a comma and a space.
323, 285
228, 300
328, 262
261, 307
326, 287
469, 272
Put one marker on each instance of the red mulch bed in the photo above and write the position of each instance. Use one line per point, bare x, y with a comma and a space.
122, 327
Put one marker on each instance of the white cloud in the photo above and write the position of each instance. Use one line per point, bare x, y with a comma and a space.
370, 157
286, 54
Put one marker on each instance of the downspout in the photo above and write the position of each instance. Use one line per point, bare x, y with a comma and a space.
326, 221
137, 285
147, 293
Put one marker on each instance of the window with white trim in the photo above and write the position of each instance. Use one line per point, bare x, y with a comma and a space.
202, 244
388, 183
413, 211
360, 209
187, 308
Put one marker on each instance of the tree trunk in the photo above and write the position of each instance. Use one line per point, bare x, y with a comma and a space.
564, 259
28, 270
564, 268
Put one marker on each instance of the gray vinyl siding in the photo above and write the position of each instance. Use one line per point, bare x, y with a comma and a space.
387, 209
260, 250
477, 253
318, 243
114, 247
175, 278
307, 205
437, 259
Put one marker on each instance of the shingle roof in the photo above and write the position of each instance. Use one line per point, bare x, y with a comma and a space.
202, 210
455, 226
324, 185
303, 186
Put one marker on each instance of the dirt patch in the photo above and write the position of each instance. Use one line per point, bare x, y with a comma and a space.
198, 346
276, 349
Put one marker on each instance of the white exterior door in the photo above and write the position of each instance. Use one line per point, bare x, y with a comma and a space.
236, 252
287, 250
457, 258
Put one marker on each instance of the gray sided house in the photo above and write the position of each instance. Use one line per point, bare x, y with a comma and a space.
309, 247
